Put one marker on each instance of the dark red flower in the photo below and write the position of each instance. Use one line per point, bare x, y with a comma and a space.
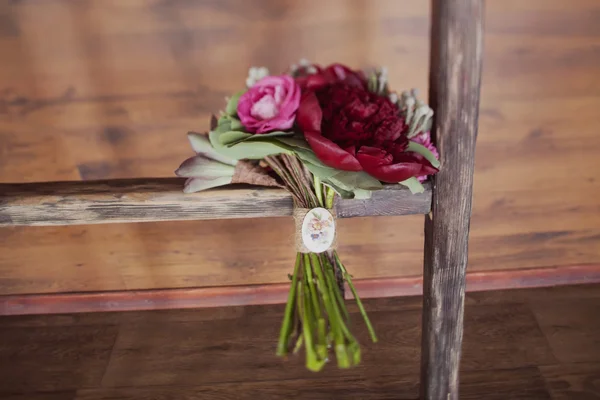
352, 129
314, 77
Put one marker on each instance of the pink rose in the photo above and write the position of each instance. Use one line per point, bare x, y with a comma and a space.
270, 104
424, 139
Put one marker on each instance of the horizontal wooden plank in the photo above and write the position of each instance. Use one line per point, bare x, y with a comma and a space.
121, 108
162, 199
205, 297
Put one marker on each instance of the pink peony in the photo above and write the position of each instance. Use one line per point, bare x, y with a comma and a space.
424, 139
270, 104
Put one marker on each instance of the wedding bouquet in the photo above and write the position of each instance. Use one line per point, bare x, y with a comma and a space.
317, 132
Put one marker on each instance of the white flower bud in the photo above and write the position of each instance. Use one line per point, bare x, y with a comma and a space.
255, 74
382, 80
393, 97
304, 62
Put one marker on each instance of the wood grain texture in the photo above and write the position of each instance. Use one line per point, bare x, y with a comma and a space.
66, 395
159, 353
96, 89
571, 328
573, 381
455, 80
147, 200
72, 358
391, 201
198, 351
207, 297
516, 384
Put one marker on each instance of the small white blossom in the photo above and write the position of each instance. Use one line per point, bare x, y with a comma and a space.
393, 97
304, 63
382, 79
417, 114
255, 74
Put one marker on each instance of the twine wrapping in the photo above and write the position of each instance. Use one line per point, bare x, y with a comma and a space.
299, 214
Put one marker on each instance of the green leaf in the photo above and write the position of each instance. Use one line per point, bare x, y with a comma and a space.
356, 180
232, 137
197, 184
202, 146
361, 194
260, 136
232, 104
308, 156
247, 150
414, 185
319, 171
228, 123
202, 167
295, 141
236, 124
224, 124
344, 194
424, 151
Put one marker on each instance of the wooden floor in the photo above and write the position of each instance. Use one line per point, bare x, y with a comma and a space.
107, 89
526, 344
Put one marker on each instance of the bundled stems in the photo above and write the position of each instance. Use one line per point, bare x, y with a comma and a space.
287, 320
315, 314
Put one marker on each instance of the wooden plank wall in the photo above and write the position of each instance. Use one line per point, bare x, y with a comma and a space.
107, 89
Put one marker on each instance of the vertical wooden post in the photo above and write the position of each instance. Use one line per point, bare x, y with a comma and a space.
455, 75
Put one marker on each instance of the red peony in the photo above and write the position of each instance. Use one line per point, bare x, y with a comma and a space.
352, 129
322, 77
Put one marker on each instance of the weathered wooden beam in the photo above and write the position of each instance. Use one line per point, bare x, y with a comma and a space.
144, 200
455, 78
276, 293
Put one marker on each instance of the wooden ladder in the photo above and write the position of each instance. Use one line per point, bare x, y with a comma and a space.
455, 75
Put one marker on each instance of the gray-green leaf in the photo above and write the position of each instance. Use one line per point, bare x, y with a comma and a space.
320, 171
232, 104
228, 123
197, 184
202, 146
350, 180
232, 137
201, 167
247, 150
414, 185
361, 194
424, 151
295, 141
259, 137
344, 194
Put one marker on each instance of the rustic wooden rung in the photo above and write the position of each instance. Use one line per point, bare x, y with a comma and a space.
162, 199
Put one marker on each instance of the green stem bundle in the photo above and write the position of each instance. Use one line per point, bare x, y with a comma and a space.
315, 314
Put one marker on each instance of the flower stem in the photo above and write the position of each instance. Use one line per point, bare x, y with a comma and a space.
330, 195
337, 293
282, 345
348, 279
353, 349
334, 321
299, 343
312, 361
321, 344
318, 189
